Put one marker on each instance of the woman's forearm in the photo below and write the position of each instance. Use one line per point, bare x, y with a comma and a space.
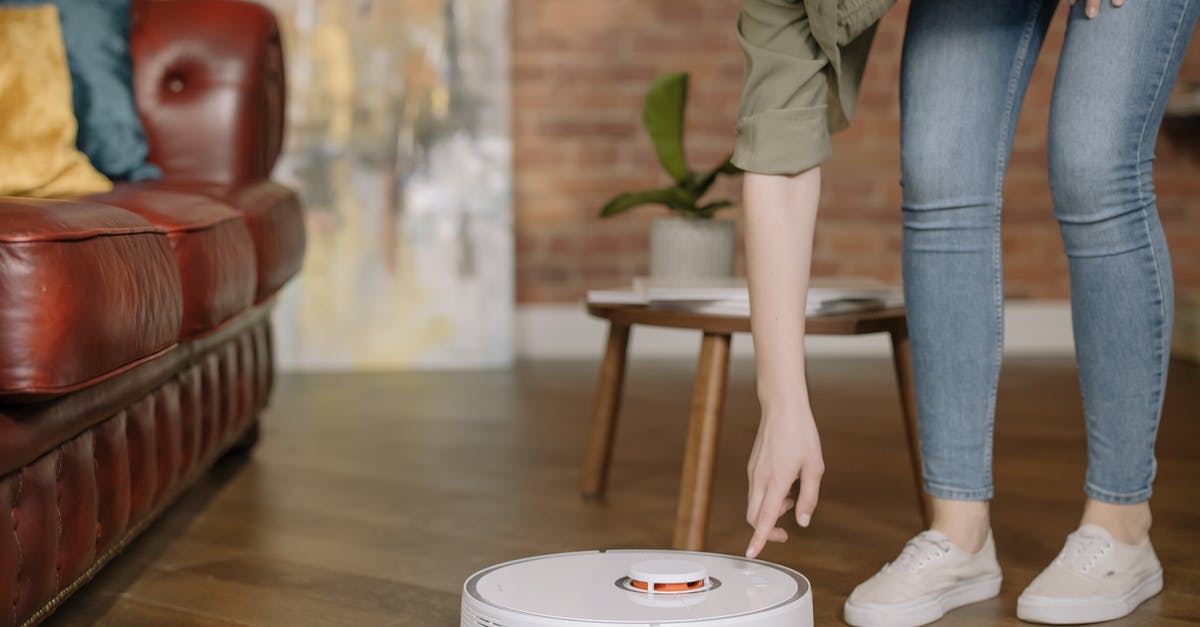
781, 212
780, 215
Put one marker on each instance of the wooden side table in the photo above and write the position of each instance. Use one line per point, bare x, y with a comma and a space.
708, 396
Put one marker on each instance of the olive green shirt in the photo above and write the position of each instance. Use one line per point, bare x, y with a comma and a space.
804, 62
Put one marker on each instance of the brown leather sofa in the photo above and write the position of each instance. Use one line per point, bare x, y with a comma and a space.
135, 339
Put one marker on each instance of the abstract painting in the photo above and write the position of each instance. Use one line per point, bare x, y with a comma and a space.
399, 143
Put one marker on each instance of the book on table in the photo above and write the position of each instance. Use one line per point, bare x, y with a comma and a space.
731, 297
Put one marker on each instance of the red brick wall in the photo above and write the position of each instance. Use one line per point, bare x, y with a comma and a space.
580, 68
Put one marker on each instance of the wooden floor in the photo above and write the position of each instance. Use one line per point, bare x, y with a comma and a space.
371, 498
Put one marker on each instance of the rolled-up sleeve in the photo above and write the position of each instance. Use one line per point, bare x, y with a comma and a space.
783, 125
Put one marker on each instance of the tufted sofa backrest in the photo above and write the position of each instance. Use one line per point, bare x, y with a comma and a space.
209, 79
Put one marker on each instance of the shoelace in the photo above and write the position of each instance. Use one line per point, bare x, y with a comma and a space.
921, 550
1083, 551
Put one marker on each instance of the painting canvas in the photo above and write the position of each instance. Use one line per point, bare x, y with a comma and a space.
398, 141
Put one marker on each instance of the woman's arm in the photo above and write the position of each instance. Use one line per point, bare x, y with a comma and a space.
780, 215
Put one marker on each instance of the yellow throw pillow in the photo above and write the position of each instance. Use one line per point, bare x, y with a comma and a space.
37, 120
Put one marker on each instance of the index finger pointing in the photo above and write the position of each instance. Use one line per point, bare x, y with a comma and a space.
768, 514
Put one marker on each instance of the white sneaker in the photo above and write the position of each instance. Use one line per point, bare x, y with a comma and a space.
1094, 579
929, 578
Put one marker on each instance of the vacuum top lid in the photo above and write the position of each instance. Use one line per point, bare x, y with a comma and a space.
637, 586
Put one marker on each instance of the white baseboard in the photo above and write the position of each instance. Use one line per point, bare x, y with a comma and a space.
565, 331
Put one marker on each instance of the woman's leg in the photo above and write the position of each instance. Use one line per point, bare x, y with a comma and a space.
1109, 95
1113, 81
965, 68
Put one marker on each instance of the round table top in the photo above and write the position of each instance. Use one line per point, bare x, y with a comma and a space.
853, 323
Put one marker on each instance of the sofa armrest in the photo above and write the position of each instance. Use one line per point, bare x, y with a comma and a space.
209, 83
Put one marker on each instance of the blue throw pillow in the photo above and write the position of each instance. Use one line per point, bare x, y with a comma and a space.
97, 41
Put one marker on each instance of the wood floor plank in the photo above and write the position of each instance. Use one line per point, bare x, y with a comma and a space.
377, 596
125, 611
372, 497
254, 603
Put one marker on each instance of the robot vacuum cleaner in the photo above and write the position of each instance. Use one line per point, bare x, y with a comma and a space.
637, 588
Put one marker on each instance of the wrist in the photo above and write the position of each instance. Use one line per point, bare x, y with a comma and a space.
785, 409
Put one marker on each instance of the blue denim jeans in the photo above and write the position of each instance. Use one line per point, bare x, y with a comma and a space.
965, 68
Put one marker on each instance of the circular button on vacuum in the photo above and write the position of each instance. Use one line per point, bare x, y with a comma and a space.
668, 575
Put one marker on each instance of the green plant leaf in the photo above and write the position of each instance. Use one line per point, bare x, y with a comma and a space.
662, 116
673, 197
709, 210
699, 186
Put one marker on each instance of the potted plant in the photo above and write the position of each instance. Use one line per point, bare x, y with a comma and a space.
690, 244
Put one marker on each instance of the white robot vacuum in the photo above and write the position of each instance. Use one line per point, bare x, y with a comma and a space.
631, 588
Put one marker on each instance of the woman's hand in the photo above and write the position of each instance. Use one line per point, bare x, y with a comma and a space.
1092, 9
787, 448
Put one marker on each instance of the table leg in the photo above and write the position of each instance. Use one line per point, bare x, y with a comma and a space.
708, 397
902, 358
603, 426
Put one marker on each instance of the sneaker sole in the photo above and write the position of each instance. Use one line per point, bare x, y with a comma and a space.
925, 610
1052, 611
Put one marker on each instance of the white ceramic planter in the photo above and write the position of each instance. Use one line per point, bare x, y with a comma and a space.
692, 248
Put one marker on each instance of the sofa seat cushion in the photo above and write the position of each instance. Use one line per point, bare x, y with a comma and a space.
86, 291
276, 221
212, 246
